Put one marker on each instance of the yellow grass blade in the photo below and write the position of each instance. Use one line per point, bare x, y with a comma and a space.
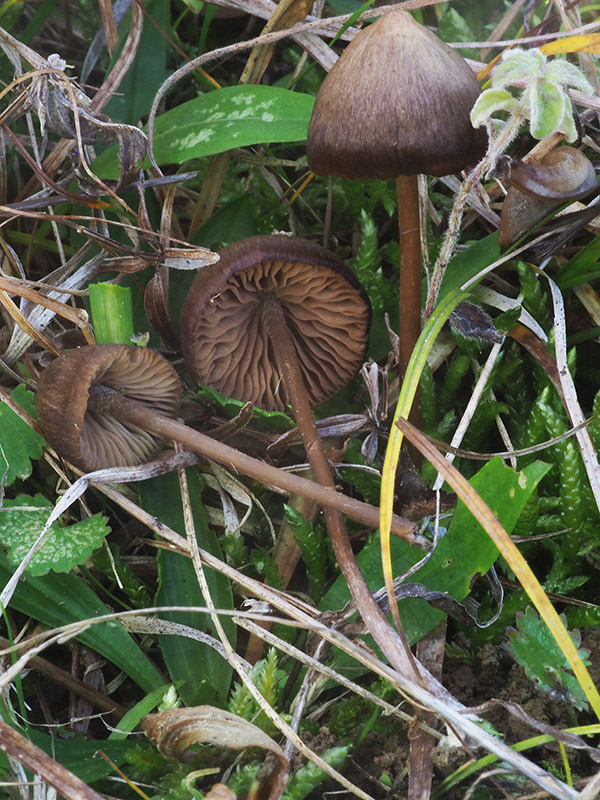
407, 394
582, 43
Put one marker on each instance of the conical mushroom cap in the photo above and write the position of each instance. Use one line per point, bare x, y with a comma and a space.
397, 102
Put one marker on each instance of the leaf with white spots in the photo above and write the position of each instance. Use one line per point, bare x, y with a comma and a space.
217, 121
63, 547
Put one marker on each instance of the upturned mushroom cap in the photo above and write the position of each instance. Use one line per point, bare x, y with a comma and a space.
91, 440
397, 102
224, 339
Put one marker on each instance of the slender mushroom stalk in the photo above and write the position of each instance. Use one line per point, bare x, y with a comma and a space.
122, 373
562, 175
397, 104
409, 239
263, 277
111, 405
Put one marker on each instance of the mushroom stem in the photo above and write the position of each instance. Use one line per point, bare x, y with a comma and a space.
395, 647
407, 190
107, 401
291, 373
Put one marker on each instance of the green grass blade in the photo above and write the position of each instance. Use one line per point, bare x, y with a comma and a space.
112, 313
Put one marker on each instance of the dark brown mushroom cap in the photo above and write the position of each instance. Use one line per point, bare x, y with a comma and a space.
397, 102
224, 339
91, 440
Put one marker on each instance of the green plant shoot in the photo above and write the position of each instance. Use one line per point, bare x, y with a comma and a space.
112, 313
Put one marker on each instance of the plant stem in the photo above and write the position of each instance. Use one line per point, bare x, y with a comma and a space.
107, 401
496, 147
409, 237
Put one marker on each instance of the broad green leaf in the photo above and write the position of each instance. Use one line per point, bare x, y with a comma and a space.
56, 600
536, 650
464, 552
111, 309
22, 521
517, 65
469, 262
80, 756
234, 116
567, 126
214, 122
201, 673
560, 71
19, 444
148, 69
133, 716
230, 223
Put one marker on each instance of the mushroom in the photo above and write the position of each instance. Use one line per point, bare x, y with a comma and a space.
240, 313
290, 319
103, 406
397, 104
562, 175
278, 319
69, 404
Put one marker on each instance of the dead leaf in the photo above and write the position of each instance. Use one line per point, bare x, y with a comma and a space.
176, 731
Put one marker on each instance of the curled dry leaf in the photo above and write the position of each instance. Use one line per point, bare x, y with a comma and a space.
157, 307
62, 106
176, 731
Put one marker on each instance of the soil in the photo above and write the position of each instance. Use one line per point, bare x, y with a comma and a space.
491, 678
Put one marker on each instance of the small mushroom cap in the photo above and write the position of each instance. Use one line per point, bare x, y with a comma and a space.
96, 441
562, 175
397, 102
225, 342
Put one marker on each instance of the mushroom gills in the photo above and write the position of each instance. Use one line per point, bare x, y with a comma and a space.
87, 436
229, 349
